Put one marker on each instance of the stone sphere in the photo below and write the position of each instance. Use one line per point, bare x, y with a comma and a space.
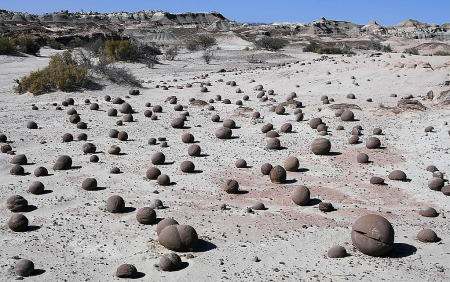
339, 112
178, 108
446, 190
89, 184
377, 131
397, 175
157, 109
36, 188
114, 150
177, 123
432, 168
18, 222
286, 128
258, 206
122, 136
3, 138
373, 235
314, 122
241, 163
179, 238
351, 96
67, 137
325, 207
224, 133
347, 116
89, 148
74, 119
194, 150
63, 162
127, 118
266, 168
126, 108
146, 215
436, 183
321, 146
428, 212
81, 125
153, 173
256, 115
279, 110
169, 262
17, 170
231, 186
82, 137
187, 138
427, 236
277, 174
266, 128
301, 195
362, 158
126, 271
16, 203
113, 133
117, 100
226, 101
156, 204
337, 252
71, 111
164, 223
94, 107
6, 148
203, 89
94, 159
215, 118
438, 174
273, 144
24, 267
115, 170
107, 98
70, 101
163, 180
322, 127
19, 159
272, 134
115, 204
291, 164
353, 140
376, 180
40, 171
152, 141
187, 167
158, 158
229, 123
373, 143
32, 125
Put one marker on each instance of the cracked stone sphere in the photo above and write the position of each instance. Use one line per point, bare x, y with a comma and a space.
146, 215
427, 236
373, 235
19, 159
163, 180
164, 223
337, 252
187, 167
278, 174
266, 168
428, 212
126, 271
291, 164
231, 186
224, 133
36, 188
40, 171
170, 262
301, 195
373, 143
89, 184
18, 222
179, 238
158, 158
436, 183
241, 163
16, 203
273, 144
347, 116
362, 158
24, 267
115, 204
397, 175
321, 146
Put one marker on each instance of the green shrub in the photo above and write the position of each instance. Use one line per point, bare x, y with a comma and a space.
387, 48
54, 44
132, 52
202, 42
329, 50
312, 47
441, 53
270, 43
5, 46
75, 42
412, 51
118, 50
28, 45
62, 73
192, 46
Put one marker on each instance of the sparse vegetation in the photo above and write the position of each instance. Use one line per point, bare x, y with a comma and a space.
329, 50
320, 49
171, 53
312, 47
441, 53
412, 51
208, 55
271, 43
62, 73
6, 46
54, 44
202, 42
28, 45
132, 52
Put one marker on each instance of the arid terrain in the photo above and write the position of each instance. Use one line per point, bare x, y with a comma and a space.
72, 237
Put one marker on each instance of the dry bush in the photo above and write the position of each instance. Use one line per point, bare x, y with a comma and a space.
412, 51
62, 73
208, 55
202, 42
171, 53
28, 45
441, 53
52, 43
133, 52
270, 43
6, 46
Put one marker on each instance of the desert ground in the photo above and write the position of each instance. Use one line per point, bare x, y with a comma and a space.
72, 237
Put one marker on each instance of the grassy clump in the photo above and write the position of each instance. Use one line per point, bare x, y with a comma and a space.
441, 53
62, 73
202, 42
412, 51
314, 47
271, 43
6, 46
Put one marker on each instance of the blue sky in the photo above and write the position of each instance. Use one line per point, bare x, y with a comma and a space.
361, 12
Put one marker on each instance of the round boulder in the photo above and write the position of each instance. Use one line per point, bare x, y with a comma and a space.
301, 195
373, 235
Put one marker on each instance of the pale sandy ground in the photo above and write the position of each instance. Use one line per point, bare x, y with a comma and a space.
73, 239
